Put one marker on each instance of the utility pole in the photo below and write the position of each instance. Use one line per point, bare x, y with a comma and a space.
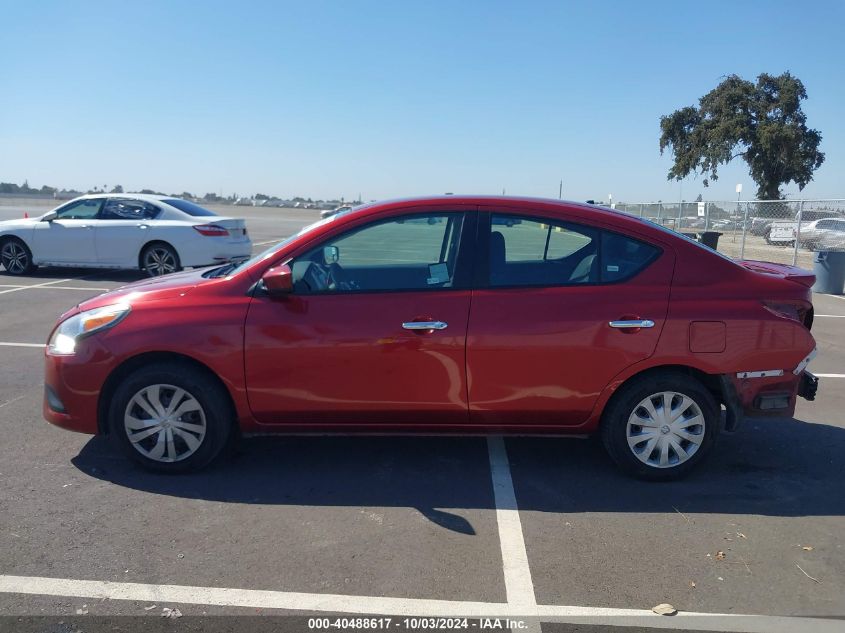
560, 191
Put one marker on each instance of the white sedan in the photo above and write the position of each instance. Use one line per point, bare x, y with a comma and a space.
157, 234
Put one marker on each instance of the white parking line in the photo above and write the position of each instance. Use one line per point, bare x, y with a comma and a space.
46, 283
335, 603
829, 375
4, 344
831, 316
518, 585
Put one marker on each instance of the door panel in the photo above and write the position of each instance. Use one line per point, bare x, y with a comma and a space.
339, 349
122, 227
542, 355
69, 238
345, 358
65, 242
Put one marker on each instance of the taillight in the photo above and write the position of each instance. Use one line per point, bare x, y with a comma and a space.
800, 311
211, 230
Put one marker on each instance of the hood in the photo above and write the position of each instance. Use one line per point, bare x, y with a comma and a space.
784, 271
20, 223
154, 289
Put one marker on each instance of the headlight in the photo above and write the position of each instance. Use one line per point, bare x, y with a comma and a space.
69, 331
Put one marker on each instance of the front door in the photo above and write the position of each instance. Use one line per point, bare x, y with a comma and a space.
548, 326
69, 238
374, 333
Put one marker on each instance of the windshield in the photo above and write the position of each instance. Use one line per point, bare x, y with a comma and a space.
188, 207
232, 267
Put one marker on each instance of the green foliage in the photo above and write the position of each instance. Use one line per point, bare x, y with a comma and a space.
117, 189
763, 123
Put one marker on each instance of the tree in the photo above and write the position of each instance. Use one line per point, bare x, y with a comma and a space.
117, 189
763, 123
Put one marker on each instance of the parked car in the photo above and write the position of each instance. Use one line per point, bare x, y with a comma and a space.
327, 213
784, 232
583, 320
157, 234
824, 234
759, 226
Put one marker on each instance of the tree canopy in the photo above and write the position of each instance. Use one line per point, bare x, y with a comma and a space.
763, 123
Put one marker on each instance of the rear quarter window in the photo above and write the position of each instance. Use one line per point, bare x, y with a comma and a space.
623, 257
191, 208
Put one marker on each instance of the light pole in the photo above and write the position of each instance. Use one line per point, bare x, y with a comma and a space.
610, 200
736, 215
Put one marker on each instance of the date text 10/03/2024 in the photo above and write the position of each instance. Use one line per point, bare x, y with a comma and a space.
422, 623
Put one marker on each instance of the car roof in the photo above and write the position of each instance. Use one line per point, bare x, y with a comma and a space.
134, 196
520, 203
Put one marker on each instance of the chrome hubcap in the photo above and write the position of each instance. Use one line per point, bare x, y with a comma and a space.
14, 258
164, 423
665, 429
159, 261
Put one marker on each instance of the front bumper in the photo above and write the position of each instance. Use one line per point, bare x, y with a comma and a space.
72, 386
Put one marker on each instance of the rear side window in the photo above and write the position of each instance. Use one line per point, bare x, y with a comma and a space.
120, 209
530, 252
189, 207
542, 252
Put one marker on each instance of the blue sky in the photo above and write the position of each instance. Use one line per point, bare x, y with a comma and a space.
330, 99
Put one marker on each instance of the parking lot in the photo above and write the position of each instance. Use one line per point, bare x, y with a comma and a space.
425, 526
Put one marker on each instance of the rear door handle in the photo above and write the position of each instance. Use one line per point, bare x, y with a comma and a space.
633, 323
425, 325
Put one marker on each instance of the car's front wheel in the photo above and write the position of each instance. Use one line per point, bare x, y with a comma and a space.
16, 257
171, 417
660, 426
160, 259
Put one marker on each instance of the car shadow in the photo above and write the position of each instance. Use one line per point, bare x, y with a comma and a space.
770, 467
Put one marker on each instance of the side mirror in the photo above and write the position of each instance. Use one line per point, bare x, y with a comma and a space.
331, 254
49, 217
278, 281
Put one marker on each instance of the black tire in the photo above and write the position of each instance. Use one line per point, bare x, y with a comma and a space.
625, 403
16, 257
217, 416
159, 258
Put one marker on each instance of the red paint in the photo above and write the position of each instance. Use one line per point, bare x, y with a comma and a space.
524, 359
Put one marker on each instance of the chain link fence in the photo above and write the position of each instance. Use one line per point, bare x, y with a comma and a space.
782, 231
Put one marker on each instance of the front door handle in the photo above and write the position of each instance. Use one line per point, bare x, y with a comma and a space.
425, 325
633, 323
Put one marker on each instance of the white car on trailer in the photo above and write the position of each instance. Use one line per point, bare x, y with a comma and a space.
157, 234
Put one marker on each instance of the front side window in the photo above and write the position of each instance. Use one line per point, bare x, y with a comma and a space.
80, 210
416, 252
543, 252
122, 209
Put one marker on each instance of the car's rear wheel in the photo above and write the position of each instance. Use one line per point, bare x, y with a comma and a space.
171, 417
160, 259
660, 426
16, 257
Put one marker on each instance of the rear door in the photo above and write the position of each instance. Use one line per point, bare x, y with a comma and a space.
374, 333
121, 229
552, 317
69, 238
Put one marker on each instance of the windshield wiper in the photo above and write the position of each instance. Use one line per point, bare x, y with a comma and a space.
221, 271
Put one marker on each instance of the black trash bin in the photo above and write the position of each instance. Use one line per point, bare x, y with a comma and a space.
829, 267
711, 239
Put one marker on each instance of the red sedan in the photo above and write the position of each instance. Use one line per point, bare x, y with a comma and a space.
443, 315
